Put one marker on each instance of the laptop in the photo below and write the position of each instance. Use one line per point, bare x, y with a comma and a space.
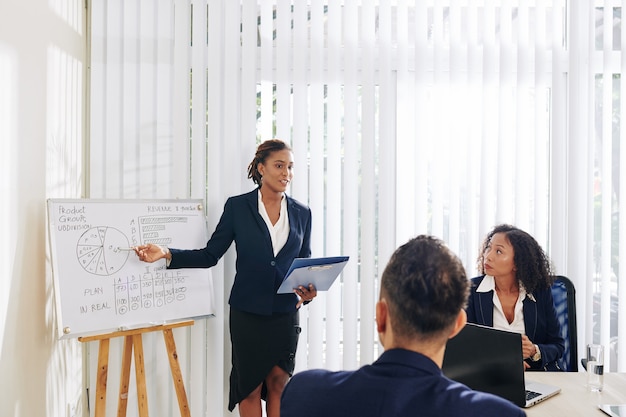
618, 410
490, 360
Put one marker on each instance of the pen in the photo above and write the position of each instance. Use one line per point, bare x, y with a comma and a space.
125, 248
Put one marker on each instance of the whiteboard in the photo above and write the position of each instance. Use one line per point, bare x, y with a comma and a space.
100, 285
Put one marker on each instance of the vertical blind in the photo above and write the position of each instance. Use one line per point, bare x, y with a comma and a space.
607, 283
64, 107
405, 117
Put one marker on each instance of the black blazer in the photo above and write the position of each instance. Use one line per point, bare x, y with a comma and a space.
258, 272
540, 320
399, 383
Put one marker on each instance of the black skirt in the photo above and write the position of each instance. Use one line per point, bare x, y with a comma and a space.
258, 344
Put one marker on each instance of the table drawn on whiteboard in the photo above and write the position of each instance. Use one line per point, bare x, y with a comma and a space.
98, 250
152, 289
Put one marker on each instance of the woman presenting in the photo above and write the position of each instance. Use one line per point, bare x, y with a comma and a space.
514, 294
269, 229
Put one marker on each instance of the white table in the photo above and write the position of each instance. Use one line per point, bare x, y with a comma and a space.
575, 399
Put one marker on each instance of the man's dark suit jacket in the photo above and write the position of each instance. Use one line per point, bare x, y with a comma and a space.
542, 325
258, 272
401, 383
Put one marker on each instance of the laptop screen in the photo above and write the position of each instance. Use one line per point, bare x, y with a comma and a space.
488, 360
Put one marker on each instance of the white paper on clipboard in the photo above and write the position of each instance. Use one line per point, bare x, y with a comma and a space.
320, 272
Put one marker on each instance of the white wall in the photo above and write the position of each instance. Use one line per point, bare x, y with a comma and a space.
42, 66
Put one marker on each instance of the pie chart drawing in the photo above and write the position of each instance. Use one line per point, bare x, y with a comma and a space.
98, 250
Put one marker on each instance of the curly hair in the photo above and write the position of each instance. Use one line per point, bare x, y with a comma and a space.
532, 266
426, 286
264, 150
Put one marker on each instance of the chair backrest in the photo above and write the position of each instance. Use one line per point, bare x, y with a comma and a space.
564, 295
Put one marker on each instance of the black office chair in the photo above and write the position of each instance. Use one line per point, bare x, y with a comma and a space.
564, 295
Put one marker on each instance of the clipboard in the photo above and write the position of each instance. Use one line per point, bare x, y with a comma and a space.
320, 272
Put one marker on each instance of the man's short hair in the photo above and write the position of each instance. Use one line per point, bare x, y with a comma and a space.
425, 286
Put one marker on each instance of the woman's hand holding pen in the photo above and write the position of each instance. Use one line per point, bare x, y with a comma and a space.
305, 294
151, 252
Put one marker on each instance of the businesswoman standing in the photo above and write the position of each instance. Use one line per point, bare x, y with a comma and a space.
514, 294
269, 229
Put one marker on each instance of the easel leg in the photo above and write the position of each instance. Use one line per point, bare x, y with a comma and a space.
176, 373
140, 376
133, 341
101, 384
122, 400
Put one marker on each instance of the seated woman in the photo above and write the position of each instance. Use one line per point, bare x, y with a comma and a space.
514, 294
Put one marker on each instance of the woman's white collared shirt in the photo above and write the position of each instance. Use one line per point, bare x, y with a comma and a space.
499, 319
279, 232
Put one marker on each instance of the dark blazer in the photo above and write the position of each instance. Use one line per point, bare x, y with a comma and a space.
401, 383
540, 320
258, 272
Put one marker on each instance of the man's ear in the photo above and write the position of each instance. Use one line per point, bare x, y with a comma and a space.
382, 315
459, 323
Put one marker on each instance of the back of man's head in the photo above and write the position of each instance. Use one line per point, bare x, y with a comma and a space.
425, 286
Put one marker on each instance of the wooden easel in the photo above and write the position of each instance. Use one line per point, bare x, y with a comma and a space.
133, 339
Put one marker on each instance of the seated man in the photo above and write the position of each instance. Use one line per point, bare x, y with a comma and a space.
423, 293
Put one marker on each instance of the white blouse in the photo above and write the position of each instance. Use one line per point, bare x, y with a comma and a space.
279, 232
499, 319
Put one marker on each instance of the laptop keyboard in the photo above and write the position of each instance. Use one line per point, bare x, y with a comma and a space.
531, 394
